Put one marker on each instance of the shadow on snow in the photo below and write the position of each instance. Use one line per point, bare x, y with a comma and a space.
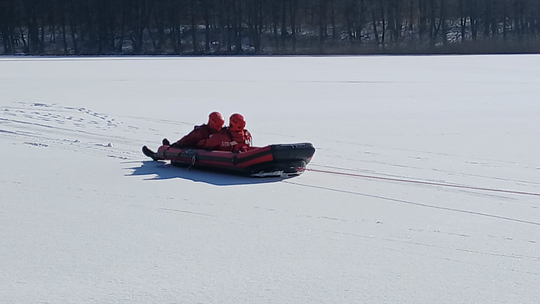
161, 170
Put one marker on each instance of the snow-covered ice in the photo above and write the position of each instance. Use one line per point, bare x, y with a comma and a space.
86, 218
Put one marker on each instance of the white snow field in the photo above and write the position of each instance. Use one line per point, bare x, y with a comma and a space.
425, 186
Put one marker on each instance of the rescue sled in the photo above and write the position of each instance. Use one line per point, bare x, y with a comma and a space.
274, 160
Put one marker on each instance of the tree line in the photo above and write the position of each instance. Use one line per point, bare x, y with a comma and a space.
198, 27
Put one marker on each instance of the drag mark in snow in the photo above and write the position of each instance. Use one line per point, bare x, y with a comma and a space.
62, 129
37, 104
415, 203
10, 182
495, 254
9, 132
109, 145
48, 125
35, 144
522, 182
331, 218
119, 157
425, 182
417, 151
183, 211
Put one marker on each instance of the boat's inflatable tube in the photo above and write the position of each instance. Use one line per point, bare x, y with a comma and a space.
272, 160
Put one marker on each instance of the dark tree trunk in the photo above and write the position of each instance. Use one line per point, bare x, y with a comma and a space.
321, 24
206, 12
293, 13
283, 24
7, 26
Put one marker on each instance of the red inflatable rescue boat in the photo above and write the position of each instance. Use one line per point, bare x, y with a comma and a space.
272, 160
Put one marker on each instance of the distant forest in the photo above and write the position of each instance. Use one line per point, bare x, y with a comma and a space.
214, 27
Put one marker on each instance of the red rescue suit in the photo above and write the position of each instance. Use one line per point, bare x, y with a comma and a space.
227, 140
194, 137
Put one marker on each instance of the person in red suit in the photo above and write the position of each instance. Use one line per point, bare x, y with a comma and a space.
202, 132
234, 138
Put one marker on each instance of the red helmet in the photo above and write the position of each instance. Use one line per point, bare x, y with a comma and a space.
215, 121
237, 122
